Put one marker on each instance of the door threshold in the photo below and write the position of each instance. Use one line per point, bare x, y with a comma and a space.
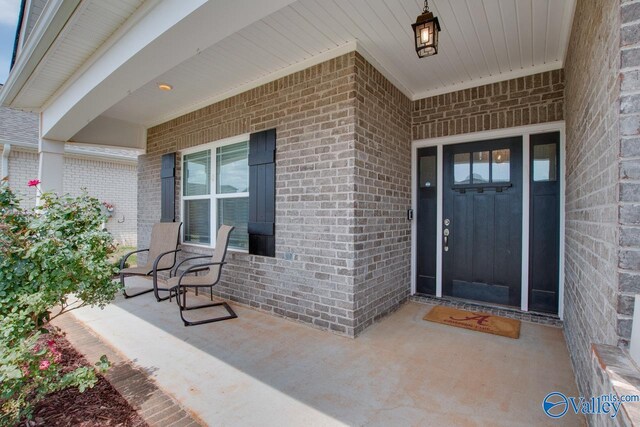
497, 310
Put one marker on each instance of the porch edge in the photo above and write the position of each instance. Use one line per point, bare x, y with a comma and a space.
135, 384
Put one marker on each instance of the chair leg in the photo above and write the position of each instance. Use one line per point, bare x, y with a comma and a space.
156, 290
174, 293
159, 298
183, 307
124, 290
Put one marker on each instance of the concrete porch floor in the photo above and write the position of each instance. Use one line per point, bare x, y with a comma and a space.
264, 370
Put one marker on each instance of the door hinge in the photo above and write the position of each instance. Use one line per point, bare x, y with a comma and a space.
410, 214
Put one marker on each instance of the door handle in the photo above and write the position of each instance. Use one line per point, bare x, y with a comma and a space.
446, 239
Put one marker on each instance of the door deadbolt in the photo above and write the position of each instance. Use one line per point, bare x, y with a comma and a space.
446, 232
447, 222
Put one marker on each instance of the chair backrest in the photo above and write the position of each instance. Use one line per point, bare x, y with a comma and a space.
165, 236
220, 252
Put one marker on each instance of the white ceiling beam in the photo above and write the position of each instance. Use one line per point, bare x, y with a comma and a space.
110, 132
170, 33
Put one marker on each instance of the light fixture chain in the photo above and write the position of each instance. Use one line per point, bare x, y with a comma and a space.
426, 6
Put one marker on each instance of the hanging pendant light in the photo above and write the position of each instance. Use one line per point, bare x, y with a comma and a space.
426, 31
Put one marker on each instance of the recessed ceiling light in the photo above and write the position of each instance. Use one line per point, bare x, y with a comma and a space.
165, 86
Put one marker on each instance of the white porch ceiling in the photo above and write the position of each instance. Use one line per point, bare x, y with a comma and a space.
104, 64
90, 26
482, 41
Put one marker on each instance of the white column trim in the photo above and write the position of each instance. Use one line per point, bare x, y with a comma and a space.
6, 150
50, 165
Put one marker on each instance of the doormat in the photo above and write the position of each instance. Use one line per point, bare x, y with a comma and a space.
475, 321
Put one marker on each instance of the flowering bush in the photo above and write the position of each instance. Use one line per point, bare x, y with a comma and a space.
53, 259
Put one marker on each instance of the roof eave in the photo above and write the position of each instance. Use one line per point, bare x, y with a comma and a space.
16, 41
51, 22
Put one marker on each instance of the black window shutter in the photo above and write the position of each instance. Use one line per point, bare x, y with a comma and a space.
168, 188
262, 193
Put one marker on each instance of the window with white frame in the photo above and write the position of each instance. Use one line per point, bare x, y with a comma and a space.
215, 191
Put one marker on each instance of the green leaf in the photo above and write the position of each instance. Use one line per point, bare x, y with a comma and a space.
103, 364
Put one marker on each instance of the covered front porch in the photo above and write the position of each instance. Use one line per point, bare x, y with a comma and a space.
348, 112
265, 370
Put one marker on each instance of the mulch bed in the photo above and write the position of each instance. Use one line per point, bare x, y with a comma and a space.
101, 405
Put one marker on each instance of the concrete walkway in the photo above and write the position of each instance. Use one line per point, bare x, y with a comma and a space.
263, 370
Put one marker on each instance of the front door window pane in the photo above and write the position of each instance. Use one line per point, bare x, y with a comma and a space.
197, 221
501, 165
544, 162
197, 178
481, 167
235, 212
462, 168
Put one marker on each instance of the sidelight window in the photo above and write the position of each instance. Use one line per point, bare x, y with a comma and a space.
544, 162
428, 171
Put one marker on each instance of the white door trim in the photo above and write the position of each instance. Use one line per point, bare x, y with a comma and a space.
524, 291
524, 132
439, 217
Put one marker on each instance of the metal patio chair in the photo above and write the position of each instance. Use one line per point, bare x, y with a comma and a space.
179, 284
165, 238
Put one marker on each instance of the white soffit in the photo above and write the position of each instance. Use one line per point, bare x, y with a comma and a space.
89, 27
482, 41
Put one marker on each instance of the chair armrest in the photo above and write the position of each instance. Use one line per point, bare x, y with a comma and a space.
124, 258
196, 266
175, 270
157, 260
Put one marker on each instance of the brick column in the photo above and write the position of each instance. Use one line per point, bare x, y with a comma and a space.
629, 169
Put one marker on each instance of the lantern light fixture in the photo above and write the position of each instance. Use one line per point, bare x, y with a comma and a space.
426, 31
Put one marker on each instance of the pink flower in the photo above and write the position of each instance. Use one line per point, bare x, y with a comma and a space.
44, 365
33, 182
52, 345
